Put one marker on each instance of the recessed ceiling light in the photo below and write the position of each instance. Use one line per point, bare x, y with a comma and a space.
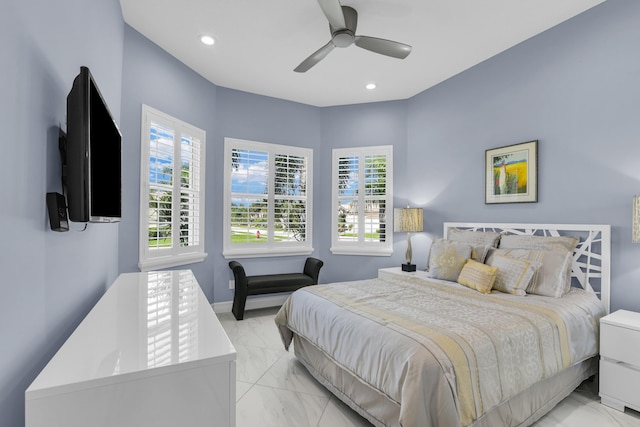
206, 39
371, 86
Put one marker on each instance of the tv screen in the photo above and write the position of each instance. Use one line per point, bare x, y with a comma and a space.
93, 155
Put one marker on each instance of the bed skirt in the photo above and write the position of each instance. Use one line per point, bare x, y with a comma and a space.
522, 410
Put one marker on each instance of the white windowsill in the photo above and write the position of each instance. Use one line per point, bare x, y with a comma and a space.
171, 261
362, 251
248, 253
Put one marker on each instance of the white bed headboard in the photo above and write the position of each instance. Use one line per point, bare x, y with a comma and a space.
591, 267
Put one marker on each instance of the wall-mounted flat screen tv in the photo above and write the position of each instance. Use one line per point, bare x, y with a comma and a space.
93, 176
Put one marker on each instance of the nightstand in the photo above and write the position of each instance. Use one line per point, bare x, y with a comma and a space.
397, 271
620, 360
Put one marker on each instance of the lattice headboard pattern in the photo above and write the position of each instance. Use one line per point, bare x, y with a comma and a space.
591, 267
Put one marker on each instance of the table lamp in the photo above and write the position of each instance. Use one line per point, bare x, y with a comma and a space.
408, 220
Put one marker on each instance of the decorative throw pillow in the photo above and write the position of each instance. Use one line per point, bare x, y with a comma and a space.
446, 259
513, 275
548, 243
481, 241
478, 276
479, 253
552, 279
490, 238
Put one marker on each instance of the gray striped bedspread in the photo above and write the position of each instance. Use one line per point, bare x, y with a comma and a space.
445, 353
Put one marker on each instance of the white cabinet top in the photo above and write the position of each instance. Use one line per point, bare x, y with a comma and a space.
623, 319
145, 324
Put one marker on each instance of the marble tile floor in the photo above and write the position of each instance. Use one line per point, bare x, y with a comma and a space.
274, 390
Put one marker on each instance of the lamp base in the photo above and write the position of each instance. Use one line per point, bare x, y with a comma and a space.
408, 267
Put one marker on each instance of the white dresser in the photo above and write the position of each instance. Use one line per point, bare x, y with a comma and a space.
620, 360
150, 353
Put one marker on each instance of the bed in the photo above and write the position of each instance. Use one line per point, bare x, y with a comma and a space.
410, 350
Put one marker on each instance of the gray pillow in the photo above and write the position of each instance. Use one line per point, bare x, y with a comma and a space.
552, 278
483, 238
480, 241
446, 259
548, 243
514, 275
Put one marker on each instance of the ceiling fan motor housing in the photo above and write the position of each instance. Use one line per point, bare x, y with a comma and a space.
343, 37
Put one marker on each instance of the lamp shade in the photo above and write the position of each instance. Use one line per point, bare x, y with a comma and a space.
635, 225
408, 220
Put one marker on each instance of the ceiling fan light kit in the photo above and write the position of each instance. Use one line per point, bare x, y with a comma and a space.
343, 21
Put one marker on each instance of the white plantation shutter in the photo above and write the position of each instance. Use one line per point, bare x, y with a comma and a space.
161, 165
172, 192
190, 194
362, 211
348, 209
375, 198
249, 201
267, 199
290, 196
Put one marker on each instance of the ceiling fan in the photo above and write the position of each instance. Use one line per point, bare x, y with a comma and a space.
343, 21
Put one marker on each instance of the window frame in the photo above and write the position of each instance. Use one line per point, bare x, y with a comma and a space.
361, 246
269, 248
175, 255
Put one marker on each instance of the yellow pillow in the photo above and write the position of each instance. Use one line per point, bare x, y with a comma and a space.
478, 276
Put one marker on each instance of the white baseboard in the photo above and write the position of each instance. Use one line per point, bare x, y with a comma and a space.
253, 303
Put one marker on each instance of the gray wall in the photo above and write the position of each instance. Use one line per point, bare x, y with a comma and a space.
383, 123
572, 88
155, 78
575, 88
49, 280
259, 118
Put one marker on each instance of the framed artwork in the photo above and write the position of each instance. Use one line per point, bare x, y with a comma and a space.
511, 174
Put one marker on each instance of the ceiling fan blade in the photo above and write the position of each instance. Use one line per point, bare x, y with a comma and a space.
314, 58
333, 11
383, 47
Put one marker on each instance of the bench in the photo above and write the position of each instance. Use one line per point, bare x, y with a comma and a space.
270, 283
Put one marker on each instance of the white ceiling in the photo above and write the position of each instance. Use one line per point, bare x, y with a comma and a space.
260, 42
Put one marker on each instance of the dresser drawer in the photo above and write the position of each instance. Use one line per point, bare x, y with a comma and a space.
620, 382
620, 344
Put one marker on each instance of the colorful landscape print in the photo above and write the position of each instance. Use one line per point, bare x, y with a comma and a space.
510, 172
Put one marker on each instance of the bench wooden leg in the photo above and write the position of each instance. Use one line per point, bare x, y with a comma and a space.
239, 302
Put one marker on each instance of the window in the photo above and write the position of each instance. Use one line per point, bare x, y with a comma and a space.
172, 192
267, 199
362, 217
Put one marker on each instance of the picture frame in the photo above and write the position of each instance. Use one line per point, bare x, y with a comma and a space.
511, 173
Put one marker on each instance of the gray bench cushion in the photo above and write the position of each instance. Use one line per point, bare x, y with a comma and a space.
269, 283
